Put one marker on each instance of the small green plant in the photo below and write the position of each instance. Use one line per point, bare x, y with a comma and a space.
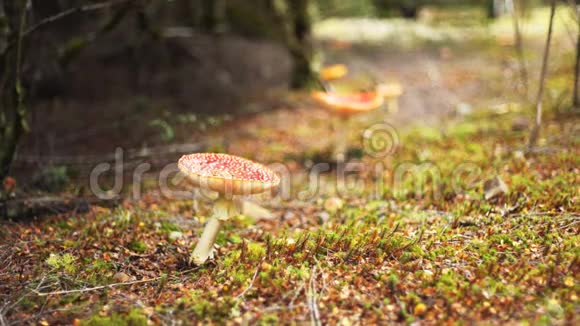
256, 251
231, 258
138, 246
51, 179
64, 263
166, 131
123, 217
169, 227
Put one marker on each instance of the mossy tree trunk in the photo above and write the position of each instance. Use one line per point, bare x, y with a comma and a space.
290, 22
12, 111
299, 42
207, 15
575, 95
213, 15
189, 12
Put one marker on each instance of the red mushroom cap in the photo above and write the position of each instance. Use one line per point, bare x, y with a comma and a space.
350, 103
227, 174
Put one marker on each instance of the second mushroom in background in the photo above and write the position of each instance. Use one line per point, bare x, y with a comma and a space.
345, 106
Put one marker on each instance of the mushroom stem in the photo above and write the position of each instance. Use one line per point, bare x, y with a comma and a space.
392, 105
222, 211
204, 247
341, 139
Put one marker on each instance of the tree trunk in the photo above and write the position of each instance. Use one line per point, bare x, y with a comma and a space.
495, 8
519, 45
300, 44
13, 111
536, 129
213, 15
576, 96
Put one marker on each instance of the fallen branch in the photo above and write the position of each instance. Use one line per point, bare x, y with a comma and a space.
72, 11
279, 307
107, 286
31, 207
128, 154
100, 287
312, 302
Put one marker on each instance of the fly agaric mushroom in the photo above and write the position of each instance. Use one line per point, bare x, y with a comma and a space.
227, 175
347, 105
333, 72
391, 92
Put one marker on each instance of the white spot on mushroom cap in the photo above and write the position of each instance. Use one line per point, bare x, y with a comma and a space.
227, 167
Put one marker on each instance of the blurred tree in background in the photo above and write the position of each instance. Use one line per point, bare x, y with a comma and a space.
66, 28
12, 53
299, 42
69, 27
349, 8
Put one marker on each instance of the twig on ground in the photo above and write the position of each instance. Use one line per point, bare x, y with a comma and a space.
100, 287
278, 307
540, 213
128, 154
414, 242
296, 294
312, 302
9, 305
107, 286
569, 225
252, 281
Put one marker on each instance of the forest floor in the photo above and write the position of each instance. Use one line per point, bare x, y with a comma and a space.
416, 234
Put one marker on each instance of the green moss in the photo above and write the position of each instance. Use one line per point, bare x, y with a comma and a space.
133, 318
66, 263
169, 227
138, 246
514, 253
231, 259
464, 130
205, 306
256, 251
269, 319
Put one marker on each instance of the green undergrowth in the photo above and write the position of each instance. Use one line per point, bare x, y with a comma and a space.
443, 253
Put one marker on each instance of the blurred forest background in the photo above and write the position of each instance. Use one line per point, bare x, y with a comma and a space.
78, 76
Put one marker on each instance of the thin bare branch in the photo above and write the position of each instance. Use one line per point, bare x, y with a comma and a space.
536, 130
72, 11
252, 281
312, 302
106, 286
100, 287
